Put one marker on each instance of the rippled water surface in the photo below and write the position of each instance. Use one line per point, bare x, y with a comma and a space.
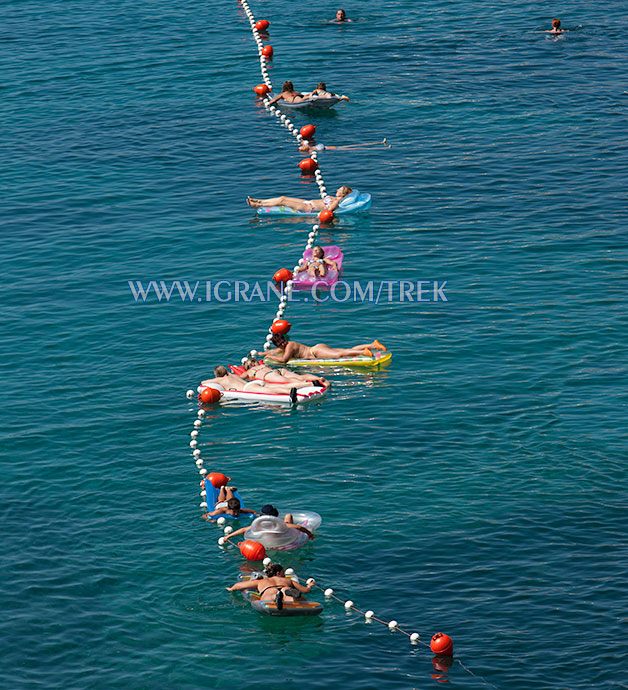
476, 486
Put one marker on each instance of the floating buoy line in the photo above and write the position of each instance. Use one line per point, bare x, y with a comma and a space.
440, 644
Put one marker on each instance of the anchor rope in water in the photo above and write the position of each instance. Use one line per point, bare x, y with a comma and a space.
285, 121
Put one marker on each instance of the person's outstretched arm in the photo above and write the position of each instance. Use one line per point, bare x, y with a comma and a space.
237, 533
248, 584
301, 528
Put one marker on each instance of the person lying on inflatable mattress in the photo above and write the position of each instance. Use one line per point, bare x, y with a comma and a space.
228, 504
256, 371
233, 382
275, 586
287, 350
271, 510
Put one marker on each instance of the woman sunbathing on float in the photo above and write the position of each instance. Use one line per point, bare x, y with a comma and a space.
261, 372
317, 265
305, 205
288, 94
287, 350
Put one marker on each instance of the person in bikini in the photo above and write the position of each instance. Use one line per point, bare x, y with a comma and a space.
275, 586
262, 372
310, 146
308, 206
317, 265
321, 92
228, 504
232, 382
287, 94
287, 350
555, 27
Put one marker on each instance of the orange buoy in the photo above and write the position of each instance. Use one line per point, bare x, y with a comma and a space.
307, 131
326, 216
252, 550
283, 275
281, 326
261, 89
210, 395
267, 51
218, 479
442, 644
308, 165
262, 25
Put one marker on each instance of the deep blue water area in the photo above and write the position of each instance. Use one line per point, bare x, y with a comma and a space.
477, 485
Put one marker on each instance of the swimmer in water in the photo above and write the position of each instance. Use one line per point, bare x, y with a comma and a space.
287, 94
309, 146
269, 509
228, 504
287, 350
308, 206
317, 265
555, 27
275, 586
341, 16
321, 92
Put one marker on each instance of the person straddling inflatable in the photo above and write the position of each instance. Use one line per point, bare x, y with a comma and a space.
287, 350
228, 504
317, 265
321, 92
308, 206
262, 372
233, 382
275, 586
341, 16
288, 93
308, 146
269, 509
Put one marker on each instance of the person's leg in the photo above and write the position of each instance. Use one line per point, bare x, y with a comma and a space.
290, 202
322, 351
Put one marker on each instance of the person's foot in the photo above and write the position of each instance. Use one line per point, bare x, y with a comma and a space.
233, 488
293, 396
253, 203
384, 141
378, 345
279, 600
367, 352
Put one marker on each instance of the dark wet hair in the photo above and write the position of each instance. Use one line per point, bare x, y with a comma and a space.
220, 371
269, 509
556, 23
234, 504
279, 340
274, 569
287, 86
322, 86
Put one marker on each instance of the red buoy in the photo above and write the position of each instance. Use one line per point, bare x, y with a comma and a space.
283, 275
218, 479
261, 89
326, 216
442, 644
267, 51
262, 25
210, 395
252, 550
307, 131
308, 165
281, 326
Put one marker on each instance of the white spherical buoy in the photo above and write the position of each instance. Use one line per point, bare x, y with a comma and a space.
310, 244
202, 472
201, 413
253, 353
269, 337
316, 228
348, 604
414, 638
299, 137
189, 395
279, 313
289, 571
368, 615
203, 504
243, 360
221, 541
196, 453
267, 346
221, 521
310, 581
203, 493
267, 561
392, 625
199, 463
197, 423
193, 443
194, 433
228, 529
329, 591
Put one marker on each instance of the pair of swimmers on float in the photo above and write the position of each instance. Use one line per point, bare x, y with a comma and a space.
289, 94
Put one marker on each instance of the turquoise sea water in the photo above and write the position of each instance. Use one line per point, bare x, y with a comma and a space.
476, 486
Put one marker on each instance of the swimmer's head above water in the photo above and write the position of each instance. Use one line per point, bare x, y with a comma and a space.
555, 24
220, 371
341, 16
279, 341
274, 570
